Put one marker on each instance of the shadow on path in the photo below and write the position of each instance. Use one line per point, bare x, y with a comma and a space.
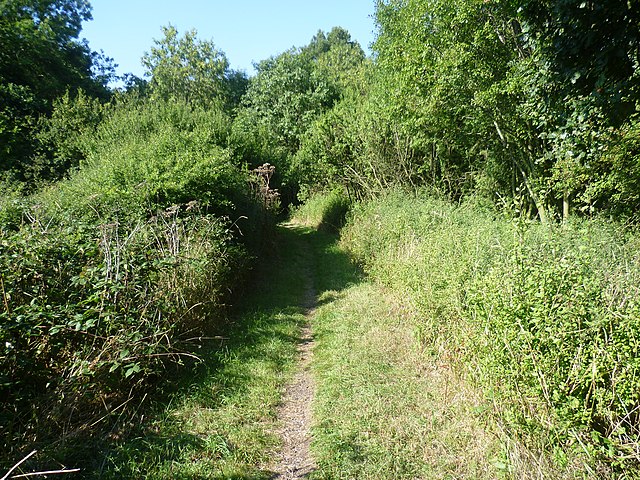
226, 389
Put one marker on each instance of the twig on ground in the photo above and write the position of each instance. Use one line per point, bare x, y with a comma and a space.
49, 472
18, 464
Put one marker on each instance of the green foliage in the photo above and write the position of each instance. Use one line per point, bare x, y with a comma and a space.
509, 99
355, 145
152, 154
618, 187
546, 320
591, 47
41, 59
193, 70
563, 329
64, 135
91, 311
287, 95
107, 273
323, 210
11, 205
445, 74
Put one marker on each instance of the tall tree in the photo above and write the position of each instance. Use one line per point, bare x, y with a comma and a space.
192, 69
41, 57
517, 98
289, 92
587, 84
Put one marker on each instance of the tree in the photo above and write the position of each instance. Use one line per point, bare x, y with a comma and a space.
590, 46
41, 57
287, 95
587, 86
191, 69
63, 135
443, 74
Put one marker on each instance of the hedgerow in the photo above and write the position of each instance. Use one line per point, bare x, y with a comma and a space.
106, 278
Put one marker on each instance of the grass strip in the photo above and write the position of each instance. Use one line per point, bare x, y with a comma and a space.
386, 409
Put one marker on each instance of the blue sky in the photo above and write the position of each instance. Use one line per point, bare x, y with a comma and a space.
246, 30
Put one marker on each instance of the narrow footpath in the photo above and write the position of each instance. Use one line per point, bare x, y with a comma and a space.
294, 413
320, 375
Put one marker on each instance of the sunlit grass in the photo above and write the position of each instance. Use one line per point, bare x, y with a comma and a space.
384, 408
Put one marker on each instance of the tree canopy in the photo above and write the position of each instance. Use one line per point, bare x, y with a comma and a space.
193, 69
41, 57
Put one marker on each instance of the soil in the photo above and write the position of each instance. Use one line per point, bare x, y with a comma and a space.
294, 413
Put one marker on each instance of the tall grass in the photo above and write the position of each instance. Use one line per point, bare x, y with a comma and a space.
325, 211
546, 320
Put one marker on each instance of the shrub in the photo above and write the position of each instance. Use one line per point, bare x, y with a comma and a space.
106, 275
152, 155
324, 210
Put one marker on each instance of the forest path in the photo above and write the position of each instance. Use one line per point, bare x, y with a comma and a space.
294, 413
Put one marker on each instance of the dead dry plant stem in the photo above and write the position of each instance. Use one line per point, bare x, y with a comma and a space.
155, 355
109, 413
49, 472
4, 295
33, 474
18, 464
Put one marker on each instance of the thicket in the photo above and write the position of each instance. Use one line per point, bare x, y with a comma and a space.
42, 58
544, 319
107, 275
526, 100
112, 276
288, 95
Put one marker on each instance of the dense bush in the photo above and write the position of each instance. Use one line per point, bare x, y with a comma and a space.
90, 311
153, 154
290, 93
105, 276
547, 320
324, 210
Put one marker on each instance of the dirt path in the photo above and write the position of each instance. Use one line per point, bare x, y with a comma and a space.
294, 414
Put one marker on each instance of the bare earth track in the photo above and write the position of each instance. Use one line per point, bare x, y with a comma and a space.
294, 413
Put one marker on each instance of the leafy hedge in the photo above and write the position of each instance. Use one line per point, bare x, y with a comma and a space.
105, 277
547, 320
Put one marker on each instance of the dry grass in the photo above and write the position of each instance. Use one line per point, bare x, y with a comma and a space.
387, 408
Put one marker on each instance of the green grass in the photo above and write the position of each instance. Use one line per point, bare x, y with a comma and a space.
384, 408
220, 422
542, 319
325, 211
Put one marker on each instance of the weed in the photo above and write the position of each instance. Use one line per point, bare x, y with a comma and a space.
543, 318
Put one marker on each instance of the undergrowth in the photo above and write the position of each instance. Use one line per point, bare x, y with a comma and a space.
219, 421
325, 211
113, 275
544, 319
